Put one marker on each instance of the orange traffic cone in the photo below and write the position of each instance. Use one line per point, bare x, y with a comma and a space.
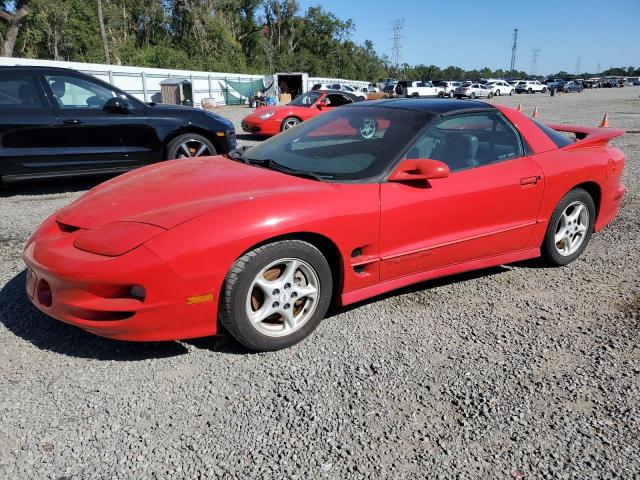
605, 121
535, 113
519, 107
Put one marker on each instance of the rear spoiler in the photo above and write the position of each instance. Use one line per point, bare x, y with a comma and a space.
587, 136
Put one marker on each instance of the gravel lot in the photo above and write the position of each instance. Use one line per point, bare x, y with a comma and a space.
513, 372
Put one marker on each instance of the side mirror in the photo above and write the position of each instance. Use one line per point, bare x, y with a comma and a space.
117, 105
322, 104
411, 170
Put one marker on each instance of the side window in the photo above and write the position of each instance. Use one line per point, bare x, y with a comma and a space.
77, 93
19, 91
468, 141
335, 100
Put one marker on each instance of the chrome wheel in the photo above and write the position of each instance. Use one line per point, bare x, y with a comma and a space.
282, 297
571, 229
290, 123
192, 148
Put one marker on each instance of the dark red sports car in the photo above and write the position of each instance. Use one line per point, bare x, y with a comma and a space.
356, 202
268, 121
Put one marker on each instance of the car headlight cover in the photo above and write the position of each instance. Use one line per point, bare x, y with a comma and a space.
266, 115
117, 238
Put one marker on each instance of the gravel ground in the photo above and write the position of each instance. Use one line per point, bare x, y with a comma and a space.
513, 372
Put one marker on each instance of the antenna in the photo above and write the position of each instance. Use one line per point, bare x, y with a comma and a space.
578, 60
396, 55
534, 60
513, 52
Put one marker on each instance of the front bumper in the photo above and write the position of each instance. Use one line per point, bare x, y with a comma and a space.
94, 292
256, 126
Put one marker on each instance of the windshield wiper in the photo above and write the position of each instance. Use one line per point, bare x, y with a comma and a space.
278, 167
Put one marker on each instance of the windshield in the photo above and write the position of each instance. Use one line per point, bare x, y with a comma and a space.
307, 99
348, 143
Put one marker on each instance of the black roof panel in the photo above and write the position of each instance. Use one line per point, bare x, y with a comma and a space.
437, 106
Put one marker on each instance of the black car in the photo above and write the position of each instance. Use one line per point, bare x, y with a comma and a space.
59, 122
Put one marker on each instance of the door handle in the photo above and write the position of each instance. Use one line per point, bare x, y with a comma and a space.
72, 121
530, 180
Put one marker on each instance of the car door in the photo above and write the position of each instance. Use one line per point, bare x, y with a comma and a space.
487, 206
30, 134
97, 139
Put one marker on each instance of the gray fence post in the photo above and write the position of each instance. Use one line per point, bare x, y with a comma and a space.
111, 77
144, 86
210, 87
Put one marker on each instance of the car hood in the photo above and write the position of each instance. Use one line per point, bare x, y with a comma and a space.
169, 193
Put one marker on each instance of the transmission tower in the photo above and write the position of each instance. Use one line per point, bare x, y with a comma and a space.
578, 60
598, 69
513, 52
396, 55
534, 61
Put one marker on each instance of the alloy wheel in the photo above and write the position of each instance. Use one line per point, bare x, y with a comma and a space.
283, 296
571, 229
290, 123
192, 148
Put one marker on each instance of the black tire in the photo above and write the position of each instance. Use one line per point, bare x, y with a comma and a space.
490, 95
175, 147
549, 250
289, 122
451, 94
472, 95
232, 307
511, 92
544, 89
498, 93
530, 91
415, 95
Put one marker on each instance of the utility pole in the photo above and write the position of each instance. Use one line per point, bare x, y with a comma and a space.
534, 61
513, 52
578, 60
396, 55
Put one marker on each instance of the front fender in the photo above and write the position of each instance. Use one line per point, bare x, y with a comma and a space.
347, 215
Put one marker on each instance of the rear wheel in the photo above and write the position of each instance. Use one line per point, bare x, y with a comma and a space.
415, 95
276, 295
451, 94
473, 95
544, 89
498, 92
510, 92
288, 123
570, 228
529, 90
190, 145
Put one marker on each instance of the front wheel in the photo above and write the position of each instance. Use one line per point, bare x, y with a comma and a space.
288, 123
498, 92
570, 228
490, 96
510, 92
544, 90
530, 91
473, 95
276, 295
190, 145
451, 94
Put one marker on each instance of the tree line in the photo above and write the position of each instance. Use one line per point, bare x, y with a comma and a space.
252, 36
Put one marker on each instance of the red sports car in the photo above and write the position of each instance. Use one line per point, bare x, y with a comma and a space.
268, 121
351, 204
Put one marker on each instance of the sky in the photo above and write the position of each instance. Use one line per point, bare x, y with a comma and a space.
472, 34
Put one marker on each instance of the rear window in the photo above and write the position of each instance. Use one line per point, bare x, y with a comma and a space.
556, 137
19, 91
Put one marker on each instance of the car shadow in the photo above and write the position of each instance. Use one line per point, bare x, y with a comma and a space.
21, 318
250, 137
417, 287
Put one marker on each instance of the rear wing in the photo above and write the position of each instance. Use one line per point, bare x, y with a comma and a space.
587, 136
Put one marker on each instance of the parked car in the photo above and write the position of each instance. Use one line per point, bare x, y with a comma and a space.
373, 88
363, 200
389, 91
473, 90
267, 121
530, 86
572, 87
363, 92
418, 88
500, 87
556, 83
58, 122
448, 87
383, 82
